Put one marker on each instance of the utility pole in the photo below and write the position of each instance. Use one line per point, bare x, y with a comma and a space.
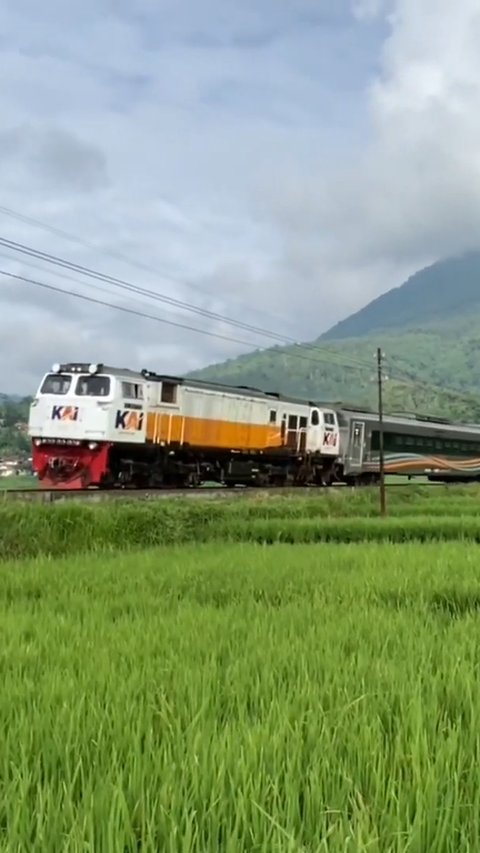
383, 507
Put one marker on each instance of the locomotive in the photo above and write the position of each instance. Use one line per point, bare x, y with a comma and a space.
97, 426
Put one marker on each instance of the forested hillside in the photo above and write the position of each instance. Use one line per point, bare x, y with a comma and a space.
440, 293
429, 330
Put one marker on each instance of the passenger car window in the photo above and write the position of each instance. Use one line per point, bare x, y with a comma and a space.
315, 418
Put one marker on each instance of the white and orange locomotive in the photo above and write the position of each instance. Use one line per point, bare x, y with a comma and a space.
93, 425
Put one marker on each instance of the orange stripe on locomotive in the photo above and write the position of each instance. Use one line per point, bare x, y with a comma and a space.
169, 428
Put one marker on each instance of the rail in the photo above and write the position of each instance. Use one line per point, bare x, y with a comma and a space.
39, 495
96, 495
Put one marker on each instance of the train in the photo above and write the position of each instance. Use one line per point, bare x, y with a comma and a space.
95, 426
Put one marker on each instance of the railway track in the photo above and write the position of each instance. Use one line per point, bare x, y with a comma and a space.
97, 495
36, 495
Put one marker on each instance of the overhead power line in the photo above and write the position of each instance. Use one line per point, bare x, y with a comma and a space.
445, 390
335, 359
60, 273
186, 327
340, 359
50, 287
81, 241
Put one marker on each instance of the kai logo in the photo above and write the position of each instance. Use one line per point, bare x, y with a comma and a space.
65, 413
330, 439
128, 420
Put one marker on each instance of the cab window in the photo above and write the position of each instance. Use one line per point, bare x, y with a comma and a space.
93, 386
132, 391
56, 383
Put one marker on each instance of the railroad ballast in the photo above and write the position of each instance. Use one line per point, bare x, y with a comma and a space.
98, 426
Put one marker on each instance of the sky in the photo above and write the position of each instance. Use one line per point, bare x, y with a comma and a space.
276, 162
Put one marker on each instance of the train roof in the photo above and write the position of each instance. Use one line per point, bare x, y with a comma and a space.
247, 390
244, 390
418, 422
348, 410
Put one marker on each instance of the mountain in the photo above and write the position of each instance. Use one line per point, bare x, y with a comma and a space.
438, 293
428, 328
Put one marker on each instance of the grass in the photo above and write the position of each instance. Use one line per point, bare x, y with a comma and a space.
218, 695
29, 530
18, 482
240, 698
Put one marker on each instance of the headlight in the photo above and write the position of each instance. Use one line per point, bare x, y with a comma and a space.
92, 368
92, 445
55, 368
37, 442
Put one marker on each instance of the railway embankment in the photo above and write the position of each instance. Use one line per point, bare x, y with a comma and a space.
55, 529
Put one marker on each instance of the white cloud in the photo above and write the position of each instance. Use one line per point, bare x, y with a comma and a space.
147, 133
367, 9
279, 163
412, 195
424, 167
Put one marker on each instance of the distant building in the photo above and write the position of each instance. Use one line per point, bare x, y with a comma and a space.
8, 468
14, 467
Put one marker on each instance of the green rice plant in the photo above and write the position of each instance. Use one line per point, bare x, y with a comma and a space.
421, 529
313, 507
240, 698
28, 530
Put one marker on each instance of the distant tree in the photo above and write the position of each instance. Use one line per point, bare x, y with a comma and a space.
13, 414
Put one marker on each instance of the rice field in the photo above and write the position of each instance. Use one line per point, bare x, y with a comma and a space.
32, 530
22, 481
223, 697
268, 674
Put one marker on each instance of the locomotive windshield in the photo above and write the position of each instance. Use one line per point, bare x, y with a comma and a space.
93, 386
56, 383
